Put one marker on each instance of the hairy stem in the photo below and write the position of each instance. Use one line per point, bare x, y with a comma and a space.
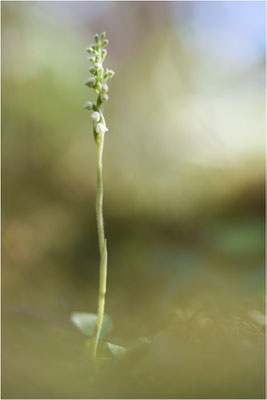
102, 246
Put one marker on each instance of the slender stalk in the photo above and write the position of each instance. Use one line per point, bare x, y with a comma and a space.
102, 246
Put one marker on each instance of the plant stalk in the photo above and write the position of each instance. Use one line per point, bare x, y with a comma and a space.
102, 247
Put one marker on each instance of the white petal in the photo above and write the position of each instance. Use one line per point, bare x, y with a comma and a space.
95, 116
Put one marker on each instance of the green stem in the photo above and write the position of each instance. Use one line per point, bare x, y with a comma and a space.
102, 246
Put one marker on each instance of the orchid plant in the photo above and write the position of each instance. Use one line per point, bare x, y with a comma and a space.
98, 325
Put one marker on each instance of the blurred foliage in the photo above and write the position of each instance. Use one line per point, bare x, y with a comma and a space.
183, 204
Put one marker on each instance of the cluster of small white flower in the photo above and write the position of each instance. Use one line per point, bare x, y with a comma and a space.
98, 82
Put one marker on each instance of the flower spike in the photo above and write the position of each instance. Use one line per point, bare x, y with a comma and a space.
98, 83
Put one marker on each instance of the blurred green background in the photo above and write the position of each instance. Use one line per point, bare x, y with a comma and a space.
183, 199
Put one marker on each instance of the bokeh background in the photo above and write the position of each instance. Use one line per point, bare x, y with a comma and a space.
183, 199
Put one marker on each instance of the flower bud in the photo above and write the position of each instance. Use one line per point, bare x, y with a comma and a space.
104, 43
98, 66
90, 82
97, 59
96, 37
102, 36
90, 50
110, 73
104, 97
104, 88
95, 116
103, 53
101, 129
91, 59
92, 70
88, 105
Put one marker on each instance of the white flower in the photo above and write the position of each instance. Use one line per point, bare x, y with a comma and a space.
104, 97
95, 116
104, 88
98, 66
101, 128
88, 105
90, 82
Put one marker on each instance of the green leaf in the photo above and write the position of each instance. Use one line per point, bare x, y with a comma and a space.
117, 351
86, 322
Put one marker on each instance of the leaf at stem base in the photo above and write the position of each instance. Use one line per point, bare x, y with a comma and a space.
86, 323
116, 350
